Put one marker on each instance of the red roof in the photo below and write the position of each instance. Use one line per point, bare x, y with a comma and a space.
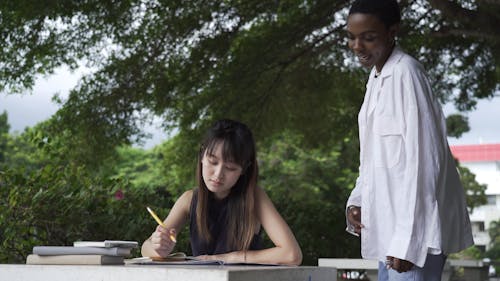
476, 152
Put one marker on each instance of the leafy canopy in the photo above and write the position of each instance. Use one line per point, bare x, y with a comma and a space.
271, 64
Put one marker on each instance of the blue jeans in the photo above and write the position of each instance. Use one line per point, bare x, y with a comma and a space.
432, 270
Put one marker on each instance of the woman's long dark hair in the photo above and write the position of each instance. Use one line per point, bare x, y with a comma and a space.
238, 147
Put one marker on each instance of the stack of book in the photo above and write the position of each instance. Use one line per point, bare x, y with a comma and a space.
83, 252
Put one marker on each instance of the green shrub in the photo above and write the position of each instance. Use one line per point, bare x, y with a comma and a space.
309, 188
56, 205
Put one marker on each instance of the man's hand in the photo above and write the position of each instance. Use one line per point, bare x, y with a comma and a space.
354, 218
399, 265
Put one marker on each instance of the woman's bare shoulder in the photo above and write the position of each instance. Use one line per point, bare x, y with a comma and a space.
259, 191
185, 200
187, 195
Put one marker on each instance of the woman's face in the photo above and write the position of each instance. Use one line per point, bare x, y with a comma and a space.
219, 176
370, 39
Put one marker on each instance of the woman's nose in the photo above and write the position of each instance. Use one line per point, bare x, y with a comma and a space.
219, 172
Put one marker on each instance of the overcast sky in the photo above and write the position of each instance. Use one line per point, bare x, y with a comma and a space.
29, 109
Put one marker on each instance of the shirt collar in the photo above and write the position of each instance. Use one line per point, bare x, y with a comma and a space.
393, 59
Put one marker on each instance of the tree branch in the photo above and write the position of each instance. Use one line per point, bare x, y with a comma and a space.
470, 20
456, 32
453, 11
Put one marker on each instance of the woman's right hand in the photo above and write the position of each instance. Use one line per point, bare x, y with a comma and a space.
354, 218
163, 241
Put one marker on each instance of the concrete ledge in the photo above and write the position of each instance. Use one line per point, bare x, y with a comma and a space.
349, 263
22, 272
468, 263
474, 270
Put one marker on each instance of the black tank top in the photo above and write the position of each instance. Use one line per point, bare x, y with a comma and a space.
217, 221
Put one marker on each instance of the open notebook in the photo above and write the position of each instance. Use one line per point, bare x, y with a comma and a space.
180, 258
174, 258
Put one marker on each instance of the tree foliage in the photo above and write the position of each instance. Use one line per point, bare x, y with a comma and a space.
457, 125
273, 65
475, 192
48, 199
309, 187
54, 201
476, 19
141, 167
57, 205
494, 232
4, 135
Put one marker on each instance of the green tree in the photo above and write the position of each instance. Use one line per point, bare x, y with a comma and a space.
18, 151
56, 205
475, 192
49, 199
475, 22
141, 167
456, 125
309, 187
477, 19
273, 65
43, 193
4, 135
494, 232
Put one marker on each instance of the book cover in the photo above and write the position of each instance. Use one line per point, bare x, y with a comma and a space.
75, 259
107, 244
67, 250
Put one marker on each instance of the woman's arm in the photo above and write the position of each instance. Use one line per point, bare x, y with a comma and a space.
286, 250
159, 244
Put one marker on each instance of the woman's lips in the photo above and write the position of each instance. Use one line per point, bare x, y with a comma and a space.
216, 182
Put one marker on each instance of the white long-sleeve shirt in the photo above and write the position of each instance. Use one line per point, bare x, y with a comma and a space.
412, 202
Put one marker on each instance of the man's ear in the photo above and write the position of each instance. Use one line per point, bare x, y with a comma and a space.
394, 30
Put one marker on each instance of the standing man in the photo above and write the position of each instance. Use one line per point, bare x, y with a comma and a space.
408, 205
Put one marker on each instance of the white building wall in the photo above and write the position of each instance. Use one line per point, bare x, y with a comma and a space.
486, 173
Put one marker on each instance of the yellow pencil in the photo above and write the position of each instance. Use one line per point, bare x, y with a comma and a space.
157, 219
